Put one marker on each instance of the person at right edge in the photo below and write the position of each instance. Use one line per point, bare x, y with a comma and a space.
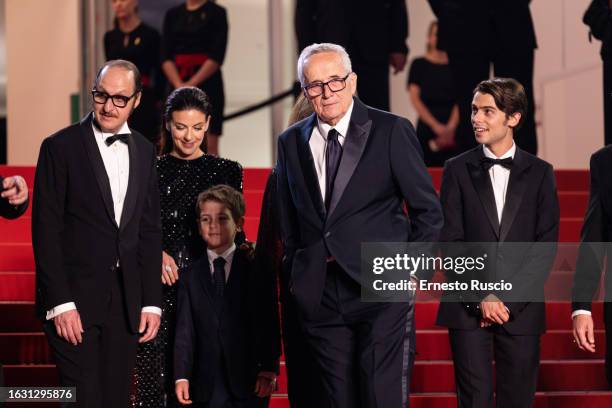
478, 33
373, 32
595, 245
500, 194
599, 19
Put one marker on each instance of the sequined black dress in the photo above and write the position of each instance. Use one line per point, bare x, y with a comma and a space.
180, 182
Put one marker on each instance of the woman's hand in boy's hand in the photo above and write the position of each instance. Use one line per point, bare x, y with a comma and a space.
181, 389
169, 270
265, 384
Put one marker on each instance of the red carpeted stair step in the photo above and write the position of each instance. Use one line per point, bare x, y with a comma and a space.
432, 345
16, 257
17, 286
24, 348
18, 317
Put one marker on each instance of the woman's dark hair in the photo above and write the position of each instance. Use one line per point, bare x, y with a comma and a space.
508, 94
182, 99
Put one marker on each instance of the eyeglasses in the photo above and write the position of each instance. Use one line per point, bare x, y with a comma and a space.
318, 88
120, 101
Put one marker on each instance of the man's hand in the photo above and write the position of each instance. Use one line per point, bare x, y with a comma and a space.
181, 390
493, 310
69, 327
265, 384
14, 190
583, 332
150, 322
398, 61
169, 274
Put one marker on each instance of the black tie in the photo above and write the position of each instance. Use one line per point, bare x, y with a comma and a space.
219, 276
122, 137
487, 162
333, 153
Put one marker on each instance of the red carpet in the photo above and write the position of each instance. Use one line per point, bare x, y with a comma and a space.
568, 376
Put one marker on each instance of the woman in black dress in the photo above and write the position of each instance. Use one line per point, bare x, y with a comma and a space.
432, 94
193, 49
184, 171
135, 41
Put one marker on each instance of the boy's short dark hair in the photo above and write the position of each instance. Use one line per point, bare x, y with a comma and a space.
509, 96
228, 196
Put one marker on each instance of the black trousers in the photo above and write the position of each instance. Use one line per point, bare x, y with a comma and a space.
468, 69
517, 359
607, 80
101, 366
373, 84
304, 384
363, 349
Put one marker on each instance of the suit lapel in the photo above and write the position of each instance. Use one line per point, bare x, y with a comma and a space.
514, 194
95, 160
132, 188
484, 189
308, 167
356, 139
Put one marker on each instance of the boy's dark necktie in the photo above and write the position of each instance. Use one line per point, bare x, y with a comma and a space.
219, 276
333, 153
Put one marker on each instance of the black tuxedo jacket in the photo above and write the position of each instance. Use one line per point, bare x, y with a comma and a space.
243, 333
381, 169
76, 239
597, 228
530, 214
467, 25
369, 30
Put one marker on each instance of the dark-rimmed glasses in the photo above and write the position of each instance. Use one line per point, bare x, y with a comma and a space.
317, 88
120, 101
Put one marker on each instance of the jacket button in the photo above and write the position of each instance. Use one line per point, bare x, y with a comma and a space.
327, 234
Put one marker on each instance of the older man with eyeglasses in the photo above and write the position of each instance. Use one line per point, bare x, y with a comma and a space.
344, 174
96, 233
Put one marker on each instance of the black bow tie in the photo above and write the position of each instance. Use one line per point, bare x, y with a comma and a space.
122, 137
487, 162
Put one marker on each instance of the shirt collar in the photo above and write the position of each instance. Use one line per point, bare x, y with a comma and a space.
341, 126
510, 153
228, 254
99, 134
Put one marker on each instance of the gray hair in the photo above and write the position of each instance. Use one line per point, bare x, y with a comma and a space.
318, 49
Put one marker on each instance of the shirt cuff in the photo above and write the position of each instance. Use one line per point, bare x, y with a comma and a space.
152, 309
581, 312
181, 380
59, 309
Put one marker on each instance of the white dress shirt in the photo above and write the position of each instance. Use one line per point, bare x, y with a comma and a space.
318, 144
499, 178
228, 255
116, 160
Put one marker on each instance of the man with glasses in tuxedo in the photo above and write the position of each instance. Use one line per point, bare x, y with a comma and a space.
344, 174
96, 233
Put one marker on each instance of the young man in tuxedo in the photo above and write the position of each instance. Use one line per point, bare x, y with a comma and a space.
594, 258
499, 193
344, 174
96, 233
227, 343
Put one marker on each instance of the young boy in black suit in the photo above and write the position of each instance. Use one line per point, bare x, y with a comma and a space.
226, 345
499, 193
